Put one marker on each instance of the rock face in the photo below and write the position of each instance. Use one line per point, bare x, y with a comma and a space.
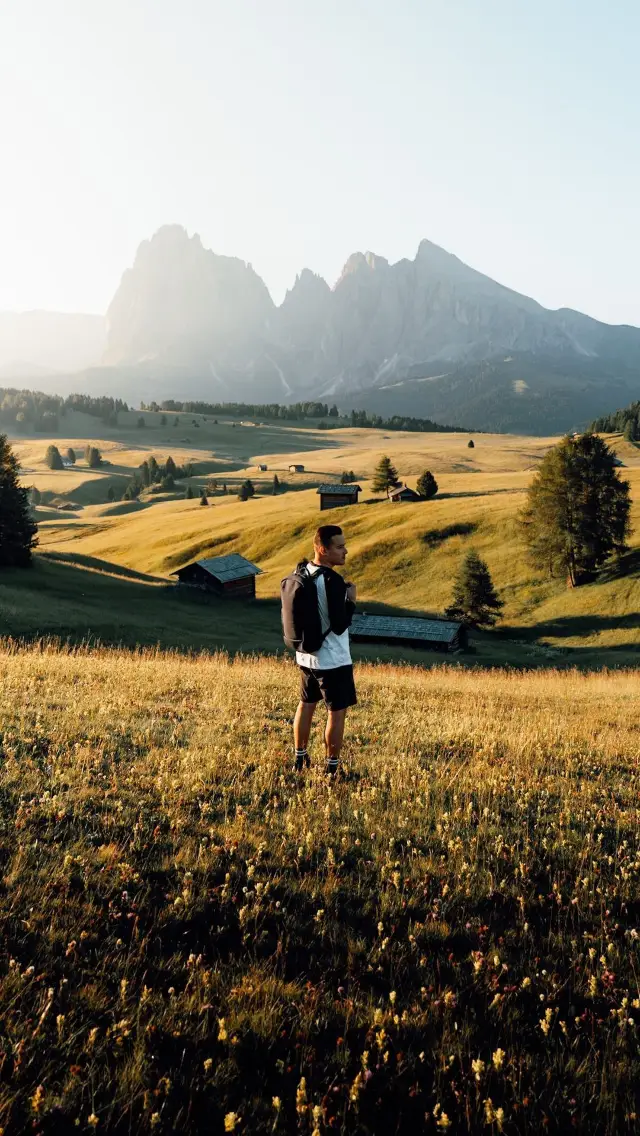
430, 332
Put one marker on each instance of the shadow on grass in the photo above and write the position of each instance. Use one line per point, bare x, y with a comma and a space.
94, 564
567, 627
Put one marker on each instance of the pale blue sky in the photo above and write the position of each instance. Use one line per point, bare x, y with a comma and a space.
291, 133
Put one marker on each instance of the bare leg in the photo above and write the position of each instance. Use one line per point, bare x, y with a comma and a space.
302, 724
334, 734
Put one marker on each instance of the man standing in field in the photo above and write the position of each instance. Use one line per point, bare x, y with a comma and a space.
327, 673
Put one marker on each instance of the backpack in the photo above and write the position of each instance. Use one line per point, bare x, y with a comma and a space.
301, 625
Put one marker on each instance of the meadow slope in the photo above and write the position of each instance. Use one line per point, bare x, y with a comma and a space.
403, 557
195, 941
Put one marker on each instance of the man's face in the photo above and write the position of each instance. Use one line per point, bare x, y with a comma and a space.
336, 553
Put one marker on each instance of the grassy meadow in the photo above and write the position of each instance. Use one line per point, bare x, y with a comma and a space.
196, 941
193, 939
104, 568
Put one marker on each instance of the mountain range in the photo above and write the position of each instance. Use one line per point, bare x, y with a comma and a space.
430, 337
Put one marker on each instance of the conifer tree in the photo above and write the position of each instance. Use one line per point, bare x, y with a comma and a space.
243, 492
94, 460
475, 601
276, 484
170, 468
629, 433
17, 528
52, 458
427, 485
189, 493
470, 444
385, 476
71, 455
577, 510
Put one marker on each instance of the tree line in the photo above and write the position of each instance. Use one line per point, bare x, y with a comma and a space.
625, 421
33, 411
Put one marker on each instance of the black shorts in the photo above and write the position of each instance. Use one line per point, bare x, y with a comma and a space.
335, 686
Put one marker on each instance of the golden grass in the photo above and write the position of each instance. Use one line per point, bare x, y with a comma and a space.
447, 938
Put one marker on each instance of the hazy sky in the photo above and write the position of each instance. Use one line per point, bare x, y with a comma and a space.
291, 133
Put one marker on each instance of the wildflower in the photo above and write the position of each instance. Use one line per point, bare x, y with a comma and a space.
36, 1099
155, 1119
545, 1023
443, 1121
392, 997
356, 1088
93, 1121
277, 1103
222, 1030
498, 1059
301, 1096
208, 1064
91, 1040
319, 915
60, 1025
525, 983
231, 1120
478, 1067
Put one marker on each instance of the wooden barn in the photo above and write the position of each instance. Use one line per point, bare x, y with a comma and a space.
403, 493
262, 468
296, 469
230, 575
434, 634
335, 496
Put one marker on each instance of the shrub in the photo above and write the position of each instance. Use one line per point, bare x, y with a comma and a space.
52, 458
427, 485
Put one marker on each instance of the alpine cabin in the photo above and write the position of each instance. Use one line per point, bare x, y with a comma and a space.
433, 634
403, 493
231, 576
296, 469
335, 496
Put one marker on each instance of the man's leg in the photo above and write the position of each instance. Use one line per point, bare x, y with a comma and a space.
334, 734
301, 730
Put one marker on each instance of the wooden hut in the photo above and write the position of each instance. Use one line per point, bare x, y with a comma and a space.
296, 469
335, 496
435, 634
230, 575
403, 493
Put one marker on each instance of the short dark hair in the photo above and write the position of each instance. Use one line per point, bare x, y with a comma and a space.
325, 535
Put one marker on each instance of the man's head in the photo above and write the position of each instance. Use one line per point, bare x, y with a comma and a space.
330, 546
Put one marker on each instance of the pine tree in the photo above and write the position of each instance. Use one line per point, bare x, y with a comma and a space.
577, 510
204, 500
189, 493
427, 485
35, 495
470, 444
629, 433
170, 468
475, 601
154, 470
250, 487
276, 484
17, 528
94, 460
385, 476
52, 458
71, 455
243, 492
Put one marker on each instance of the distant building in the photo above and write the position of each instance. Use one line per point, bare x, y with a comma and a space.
262, 468
436, 634
230, 575
296, 469
403, 493
335, 496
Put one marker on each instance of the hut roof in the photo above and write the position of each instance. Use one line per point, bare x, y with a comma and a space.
226, 568
390, 627
338, 490
400, 490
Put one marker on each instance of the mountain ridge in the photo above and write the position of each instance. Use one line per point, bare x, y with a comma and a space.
431, 331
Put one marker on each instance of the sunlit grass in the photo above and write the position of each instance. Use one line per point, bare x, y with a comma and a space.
448, 938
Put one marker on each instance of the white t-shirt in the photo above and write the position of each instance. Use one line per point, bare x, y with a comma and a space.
335, 650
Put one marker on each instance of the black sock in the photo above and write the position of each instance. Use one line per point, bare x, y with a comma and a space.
332, 765
302, 759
